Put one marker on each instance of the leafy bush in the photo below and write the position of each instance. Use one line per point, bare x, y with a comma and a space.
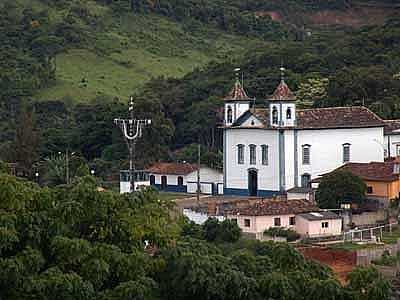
289, 234
387, 259
225, 231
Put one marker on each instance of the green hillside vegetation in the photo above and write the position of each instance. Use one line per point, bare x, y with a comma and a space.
76, 62
111, 51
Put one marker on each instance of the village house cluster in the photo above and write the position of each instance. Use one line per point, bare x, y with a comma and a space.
278, 153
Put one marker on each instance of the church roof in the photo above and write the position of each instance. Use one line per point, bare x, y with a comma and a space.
237, 93
268, 207
337, 117
282, 93
392, 127
323, 118
172, 168
374, 171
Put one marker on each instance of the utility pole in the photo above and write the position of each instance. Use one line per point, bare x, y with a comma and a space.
67, 166
132, 130
198, 173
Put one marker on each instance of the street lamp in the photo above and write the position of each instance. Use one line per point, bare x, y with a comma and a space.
92, 172
37, 176
132, 129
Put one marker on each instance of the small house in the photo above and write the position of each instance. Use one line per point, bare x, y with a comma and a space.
141, 180
182, 178
267, 213
318, 224
381, 178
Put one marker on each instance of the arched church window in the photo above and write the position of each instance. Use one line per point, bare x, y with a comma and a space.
306, 154
346, 152
274, 115
264, 154
288, 113
240, 154
253, 157
229, 116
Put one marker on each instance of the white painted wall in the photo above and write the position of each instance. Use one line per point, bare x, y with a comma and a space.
314, 228
289, 159
237, 174
258, 224
206, 175
198, 217
125, 187
295, 196
171, 179
238, 109
252, 121
326, 152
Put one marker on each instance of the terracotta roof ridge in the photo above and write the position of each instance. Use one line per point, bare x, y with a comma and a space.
335, 107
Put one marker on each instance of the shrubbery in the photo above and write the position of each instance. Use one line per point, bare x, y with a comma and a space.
289, 234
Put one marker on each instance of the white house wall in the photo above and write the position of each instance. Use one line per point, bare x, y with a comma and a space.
314, 228
326, 152
206, 175
258, 224
171, 179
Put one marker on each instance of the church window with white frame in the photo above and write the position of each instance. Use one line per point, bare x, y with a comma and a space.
229, 116
346, 152
264, 155
274, 115
253, 157
306, 154
240, 154
288, 113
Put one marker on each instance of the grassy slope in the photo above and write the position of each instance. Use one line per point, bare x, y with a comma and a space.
130, 49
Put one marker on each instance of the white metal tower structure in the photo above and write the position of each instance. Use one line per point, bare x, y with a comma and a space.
132, 129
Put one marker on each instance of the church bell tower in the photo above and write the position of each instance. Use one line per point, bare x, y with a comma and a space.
282, 105
236, 103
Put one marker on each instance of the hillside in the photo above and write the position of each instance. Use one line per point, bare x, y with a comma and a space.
119, 50
76, 62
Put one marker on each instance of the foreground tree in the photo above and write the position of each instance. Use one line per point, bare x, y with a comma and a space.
340, 187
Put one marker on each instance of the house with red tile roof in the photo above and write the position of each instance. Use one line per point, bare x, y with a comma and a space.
299, 215
182, 177
381, 178
272, 148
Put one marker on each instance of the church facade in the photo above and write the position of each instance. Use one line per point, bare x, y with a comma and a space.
272, 149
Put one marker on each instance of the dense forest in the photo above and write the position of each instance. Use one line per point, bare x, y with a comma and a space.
336, 66
75, 242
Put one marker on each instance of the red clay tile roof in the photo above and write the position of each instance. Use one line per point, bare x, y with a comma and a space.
237, 93
391, 126
269, 207
374, 171
172, 168
325, 118
282, 93
337, 117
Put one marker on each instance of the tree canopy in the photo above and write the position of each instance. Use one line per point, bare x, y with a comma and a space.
74, 242
340, 187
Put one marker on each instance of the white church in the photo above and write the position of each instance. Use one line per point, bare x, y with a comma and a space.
270, 150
